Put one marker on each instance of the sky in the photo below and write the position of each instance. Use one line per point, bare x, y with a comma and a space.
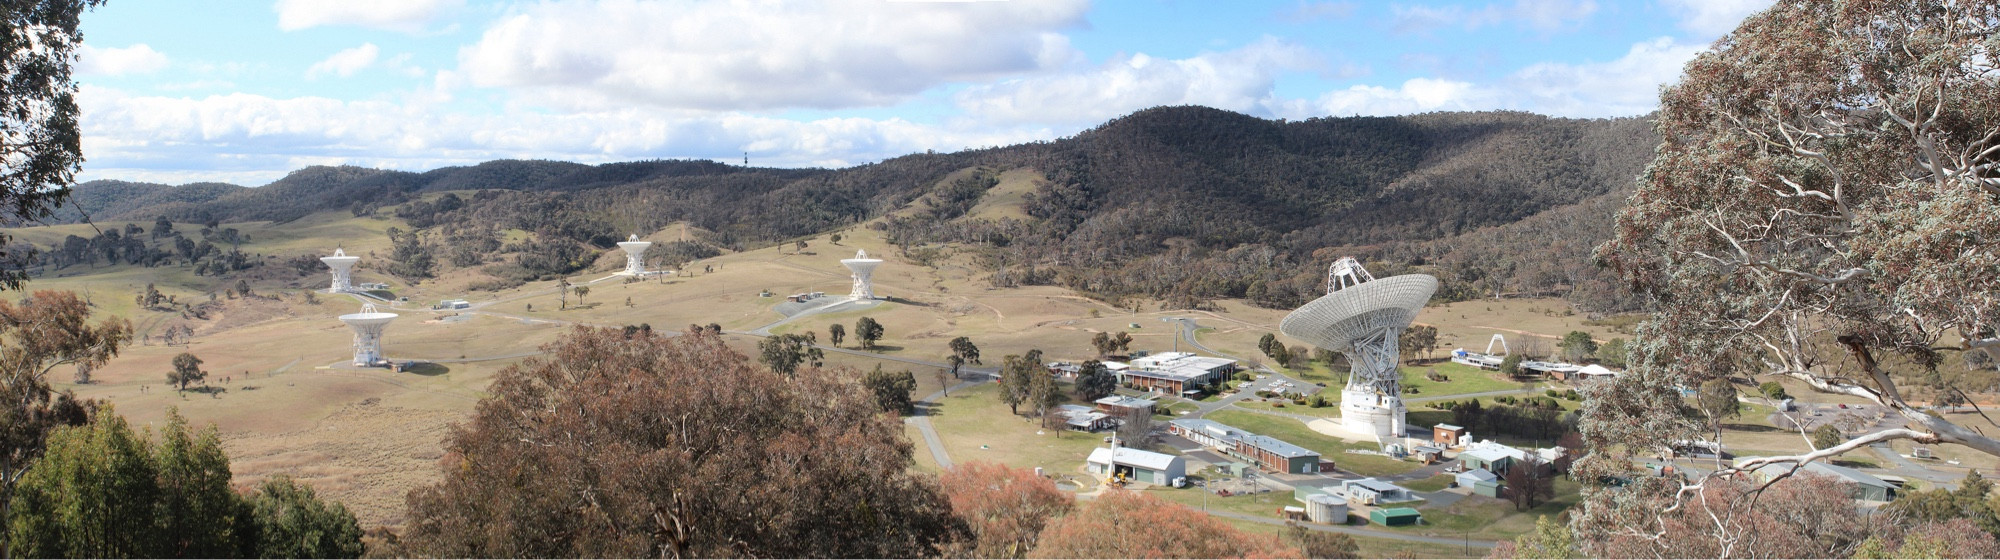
242, 91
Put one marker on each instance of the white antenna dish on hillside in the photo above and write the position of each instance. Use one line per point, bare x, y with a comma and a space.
342, 267
1362, 317
635, 255
368, 326
864, 274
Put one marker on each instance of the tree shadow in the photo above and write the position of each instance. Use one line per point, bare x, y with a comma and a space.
1753, 428
210, 390
882, 348
427, 369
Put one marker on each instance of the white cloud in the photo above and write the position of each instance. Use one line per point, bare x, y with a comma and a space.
1238, 80
135, 59
1629, 85
756, 55
1306, 11
254, 139
1416, 95
409, 16
346, 62
1713, 18
1540, 15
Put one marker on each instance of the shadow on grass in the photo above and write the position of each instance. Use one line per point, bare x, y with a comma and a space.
893, 299
1753, 428
880, 348
427, 369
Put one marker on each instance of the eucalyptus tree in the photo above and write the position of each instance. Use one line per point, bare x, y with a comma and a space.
1825, 206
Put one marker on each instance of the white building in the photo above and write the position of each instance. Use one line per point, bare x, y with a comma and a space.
1137, 465
1176, 372
1371, 491
1085, 419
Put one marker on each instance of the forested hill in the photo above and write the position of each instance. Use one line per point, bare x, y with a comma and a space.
1179, 203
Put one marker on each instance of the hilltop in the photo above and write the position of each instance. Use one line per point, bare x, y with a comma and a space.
1179, 204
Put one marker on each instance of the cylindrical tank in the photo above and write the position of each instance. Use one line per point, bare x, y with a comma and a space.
1323, 508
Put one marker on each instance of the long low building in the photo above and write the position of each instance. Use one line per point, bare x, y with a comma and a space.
1136, 464
1176, 372
1265, 452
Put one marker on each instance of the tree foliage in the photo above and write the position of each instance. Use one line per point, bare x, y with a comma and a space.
106, 491
1321, 544
293, 522
892, 389
38, 118
43, 331
784, 353
1577, 346
965, 350
868, 330
1094, 381
835, 333
187, 369
1822, 208
1006, 507
1127, 524
653, 446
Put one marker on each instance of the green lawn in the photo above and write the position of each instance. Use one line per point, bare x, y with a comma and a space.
976, 426
1463, 379
1489, 518
1329, 447
1267, 504
1431, 484
1332, 410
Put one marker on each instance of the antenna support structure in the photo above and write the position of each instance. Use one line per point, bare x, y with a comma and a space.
1362, 317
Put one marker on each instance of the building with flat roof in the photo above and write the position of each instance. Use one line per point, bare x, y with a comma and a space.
1371, 491
1266, 452
1135, 464
1176, 372
1120, 405
1447, 435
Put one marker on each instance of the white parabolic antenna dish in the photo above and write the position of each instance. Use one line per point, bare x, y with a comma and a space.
367, 316
1362, 317
1339, 319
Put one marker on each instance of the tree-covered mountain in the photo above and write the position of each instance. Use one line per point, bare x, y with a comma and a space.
1183, 204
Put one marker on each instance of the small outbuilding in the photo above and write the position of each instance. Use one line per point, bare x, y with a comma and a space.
1447, 435
1392, 517
1468, 478
1135, 464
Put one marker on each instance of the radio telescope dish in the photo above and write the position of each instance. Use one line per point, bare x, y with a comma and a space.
1362, 317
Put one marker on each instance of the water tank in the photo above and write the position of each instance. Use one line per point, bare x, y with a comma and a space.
1323, 508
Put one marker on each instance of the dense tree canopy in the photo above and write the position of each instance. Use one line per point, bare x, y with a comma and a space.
1007, 507
41, 332
653, 446
107, 491
1824, 207
1127, 524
